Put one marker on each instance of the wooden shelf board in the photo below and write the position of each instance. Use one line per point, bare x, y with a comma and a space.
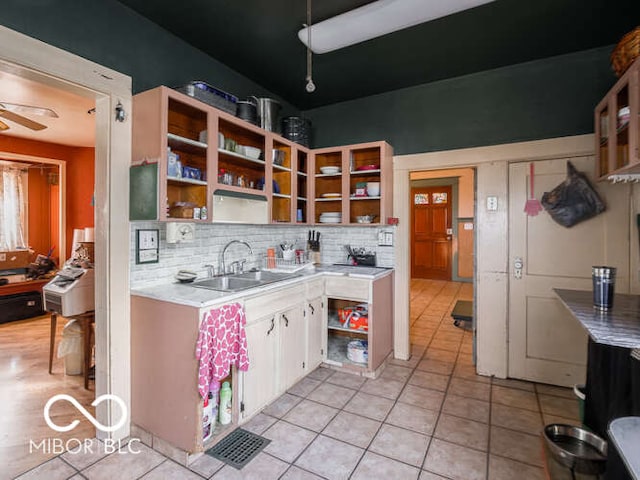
186, 141
186, 181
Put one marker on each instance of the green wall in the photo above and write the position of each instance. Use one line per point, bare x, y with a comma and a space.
541, 99
111, 34
548, 98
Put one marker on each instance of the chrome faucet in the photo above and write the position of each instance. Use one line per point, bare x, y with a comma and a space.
239, 263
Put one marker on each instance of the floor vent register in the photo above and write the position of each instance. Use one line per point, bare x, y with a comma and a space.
238, 448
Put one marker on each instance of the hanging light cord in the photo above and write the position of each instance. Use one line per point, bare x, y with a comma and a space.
310, 87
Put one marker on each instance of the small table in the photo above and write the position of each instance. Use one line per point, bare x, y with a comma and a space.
462, 312
85, 319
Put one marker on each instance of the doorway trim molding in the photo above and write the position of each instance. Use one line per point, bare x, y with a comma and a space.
31, 58
491, 269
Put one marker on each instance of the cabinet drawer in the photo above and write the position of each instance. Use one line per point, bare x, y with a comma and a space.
267, 304
345, 287
314, 288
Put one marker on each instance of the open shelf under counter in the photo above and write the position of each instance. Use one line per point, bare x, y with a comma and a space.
334, 324
337, 352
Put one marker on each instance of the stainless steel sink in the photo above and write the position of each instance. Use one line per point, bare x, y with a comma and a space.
242, 281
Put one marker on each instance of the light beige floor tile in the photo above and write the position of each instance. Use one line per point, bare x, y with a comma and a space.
395, 372
562, 407
466, 407
514, 398
413, 418
436, 366
430, 380
516, 445
370, 406
424, 475
287, 441
549, 419
555, 391
321, 373
332, 395
519, 419
420, 339
383, 387
295, 473
513, 383
451, 346
353, 429
77, 476
375, 466
304, 387
311, 415
422, 397
462, 431
467, 388
262, 467
206, 465
92, 451
330, 458
400, 444
442, 355
411, 363
125, 466
506, 469
348, 380
455, 462
170, 469
54, 469
468, 372
259, 423
282, 405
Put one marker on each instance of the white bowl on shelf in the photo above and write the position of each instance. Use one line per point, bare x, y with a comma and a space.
251, 152
373, 189
330, 170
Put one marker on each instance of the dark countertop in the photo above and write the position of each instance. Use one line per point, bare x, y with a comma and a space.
625, 434
619, 327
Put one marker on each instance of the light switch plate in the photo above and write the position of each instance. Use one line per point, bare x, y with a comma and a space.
147, 246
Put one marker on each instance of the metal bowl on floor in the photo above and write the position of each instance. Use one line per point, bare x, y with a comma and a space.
576, 448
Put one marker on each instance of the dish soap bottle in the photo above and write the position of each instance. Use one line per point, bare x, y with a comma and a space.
225, 404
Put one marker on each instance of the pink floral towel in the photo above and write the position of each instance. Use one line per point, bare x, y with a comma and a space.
221, 343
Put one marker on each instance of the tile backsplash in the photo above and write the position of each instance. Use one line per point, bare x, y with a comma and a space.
211, 239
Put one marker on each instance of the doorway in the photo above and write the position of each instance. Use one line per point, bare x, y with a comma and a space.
431, 233
108, 88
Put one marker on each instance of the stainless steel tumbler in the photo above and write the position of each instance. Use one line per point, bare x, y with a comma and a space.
604, 282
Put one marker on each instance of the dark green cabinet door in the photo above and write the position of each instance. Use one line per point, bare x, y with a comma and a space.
143, 192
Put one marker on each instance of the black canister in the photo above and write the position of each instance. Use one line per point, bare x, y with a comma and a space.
604, 282
247, 111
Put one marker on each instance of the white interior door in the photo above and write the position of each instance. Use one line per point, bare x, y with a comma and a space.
546, 344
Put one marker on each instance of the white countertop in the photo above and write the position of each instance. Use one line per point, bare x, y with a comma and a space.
187, 294
625, 434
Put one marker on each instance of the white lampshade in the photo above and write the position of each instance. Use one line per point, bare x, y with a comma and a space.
377, 19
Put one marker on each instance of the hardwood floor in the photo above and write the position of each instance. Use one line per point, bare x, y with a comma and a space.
26, 386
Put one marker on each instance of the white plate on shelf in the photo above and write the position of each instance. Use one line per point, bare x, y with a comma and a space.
331, 195
330, 170
330, 220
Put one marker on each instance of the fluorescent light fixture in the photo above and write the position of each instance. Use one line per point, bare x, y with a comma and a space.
377, 19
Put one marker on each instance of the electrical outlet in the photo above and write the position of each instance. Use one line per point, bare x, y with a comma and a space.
492, 203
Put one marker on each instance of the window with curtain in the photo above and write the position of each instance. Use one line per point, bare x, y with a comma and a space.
13, 207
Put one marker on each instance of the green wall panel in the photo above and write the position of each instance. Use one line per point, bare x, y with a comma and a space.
548, 98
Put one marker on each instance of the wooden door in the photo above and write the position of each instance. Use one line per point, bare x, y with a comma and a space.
316, 334
259, 382
546, 344
431, 232
292, 347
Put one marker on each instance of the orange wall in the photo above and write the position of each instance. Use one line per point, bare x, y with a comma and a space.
80, 182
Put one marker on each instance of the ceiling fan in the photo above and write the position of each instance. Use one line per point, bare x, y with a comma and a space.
12, 111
